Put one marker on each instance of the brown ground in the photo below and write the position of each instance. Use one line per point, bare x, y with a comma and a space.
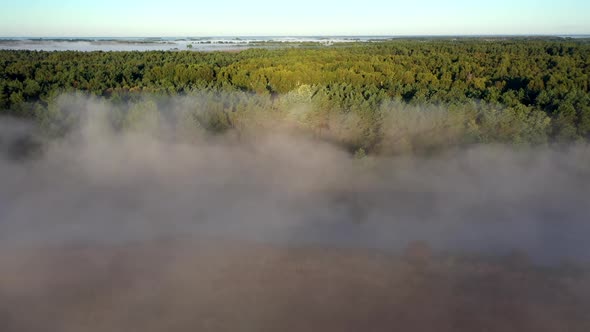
167, 286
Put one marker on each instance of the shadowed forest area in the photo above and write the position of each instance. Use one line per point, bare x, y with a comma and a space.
427, 184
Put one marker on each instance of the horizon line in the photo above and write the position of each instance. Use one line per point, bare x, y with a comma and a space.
319, 35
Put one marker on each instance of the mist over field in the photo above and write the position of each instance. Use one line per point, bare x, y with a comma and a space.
207, 44
107, 185
118, 225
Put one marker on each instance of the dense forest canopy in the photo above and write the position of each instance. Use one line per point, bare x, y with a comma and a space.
377, 96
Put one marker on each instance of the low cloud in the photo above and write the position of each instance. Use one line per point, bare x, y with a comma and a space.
158, 177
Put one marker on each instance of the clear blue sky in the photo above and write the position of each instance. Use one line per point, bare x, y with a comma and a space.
303, 17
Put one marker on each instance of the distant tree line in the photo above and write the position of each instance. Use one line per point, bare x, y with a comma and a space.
381, 96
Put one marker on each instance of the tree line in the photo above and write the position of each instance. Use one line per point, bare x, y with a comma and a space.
372, 95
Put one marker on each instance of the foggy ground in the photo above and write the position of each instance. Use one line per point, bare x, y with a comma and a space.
144, 230
187, 286
206, 44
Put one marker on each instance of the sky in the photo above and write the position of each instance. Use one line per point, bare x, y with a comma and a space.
140, 18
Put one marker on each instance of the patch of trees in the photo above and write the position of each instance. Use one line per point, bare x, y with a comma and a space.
379, 96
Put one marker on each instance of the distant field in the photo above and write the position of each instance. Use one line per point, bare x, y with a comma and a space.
172, 44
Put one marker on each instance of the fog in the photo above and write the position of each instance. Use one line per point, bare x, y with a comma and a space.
207, 44
83, 45
99, 184
216, 208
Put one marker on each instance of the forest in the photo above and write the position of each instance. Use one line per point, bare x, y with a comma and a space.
374, 97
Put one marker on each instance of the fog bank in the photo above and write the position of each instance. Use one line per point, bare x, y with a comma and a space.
100, 184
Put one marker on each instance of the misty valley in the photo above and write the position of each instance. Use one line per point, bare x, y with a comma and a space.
413, 184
